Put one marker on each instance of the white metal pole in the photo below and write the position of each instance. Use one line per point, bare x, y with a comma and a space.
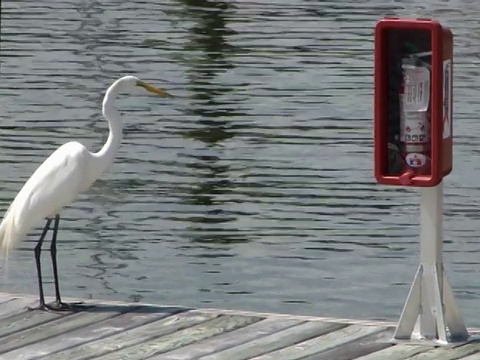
430, 304
431, 247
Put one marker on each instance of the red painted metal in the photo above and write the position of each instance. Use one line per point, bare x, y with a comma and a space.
441, 45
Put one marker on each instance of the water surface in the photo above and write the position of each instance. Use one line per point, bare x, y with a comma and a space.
253, 188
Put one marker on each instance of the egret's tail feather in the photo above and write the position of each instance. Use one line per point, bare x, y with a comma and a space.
9, 234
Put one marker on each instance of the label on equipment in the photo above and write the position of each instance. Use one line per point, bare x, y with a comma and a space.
416, 92
414, 127
415, 160
414, 103
447, 98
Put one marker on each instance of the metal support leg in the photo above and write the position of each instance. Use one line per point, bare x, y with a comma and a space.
430, 307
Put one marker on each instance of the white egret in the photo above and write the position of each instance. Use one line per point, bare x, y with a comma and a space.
70, 170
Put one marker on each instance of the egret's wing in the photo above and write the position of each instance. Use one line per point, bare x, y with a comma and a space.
54, 184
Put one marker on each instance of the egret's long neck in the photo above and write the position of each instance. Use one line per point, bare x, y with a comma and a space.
107, 153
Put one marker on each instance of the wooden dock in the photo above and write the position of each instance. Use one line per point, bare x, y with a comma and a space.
113, 330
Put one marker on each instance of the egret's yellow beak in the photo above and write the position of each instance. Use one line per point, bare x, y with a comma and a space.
155, 90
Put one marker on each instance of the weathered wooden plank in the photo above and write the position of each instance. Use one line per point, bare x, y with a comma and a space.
357, 348
449, 353
325, 342
5, 301
25, 320
7, 297
100, 347
114, 330
111, 326
229, 339
16, 305
275, 341
28, 302
397, 352
475, 356
219, 325
52, 328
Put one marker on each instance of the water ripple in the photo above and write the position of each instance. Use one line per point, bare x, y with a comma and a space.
253, 188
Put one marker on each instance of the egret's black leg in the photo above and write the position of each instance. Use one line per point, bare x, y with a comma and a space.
37, 252
58, 305
53, 254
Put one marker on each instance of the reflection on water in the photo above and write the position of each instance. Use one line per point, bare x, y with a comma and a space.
253, 188
209, 48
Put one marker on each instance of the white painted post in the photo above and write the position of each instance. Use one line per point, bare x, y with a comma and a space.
430, 307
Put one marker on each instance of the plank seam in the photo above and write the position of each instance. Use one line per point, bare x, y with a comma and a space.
146, 339
16, 347
212, 337
179, 311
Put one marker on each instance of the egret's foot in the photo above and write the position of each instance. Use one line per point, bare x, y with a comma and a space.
61, 306
57, 306
39, 307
